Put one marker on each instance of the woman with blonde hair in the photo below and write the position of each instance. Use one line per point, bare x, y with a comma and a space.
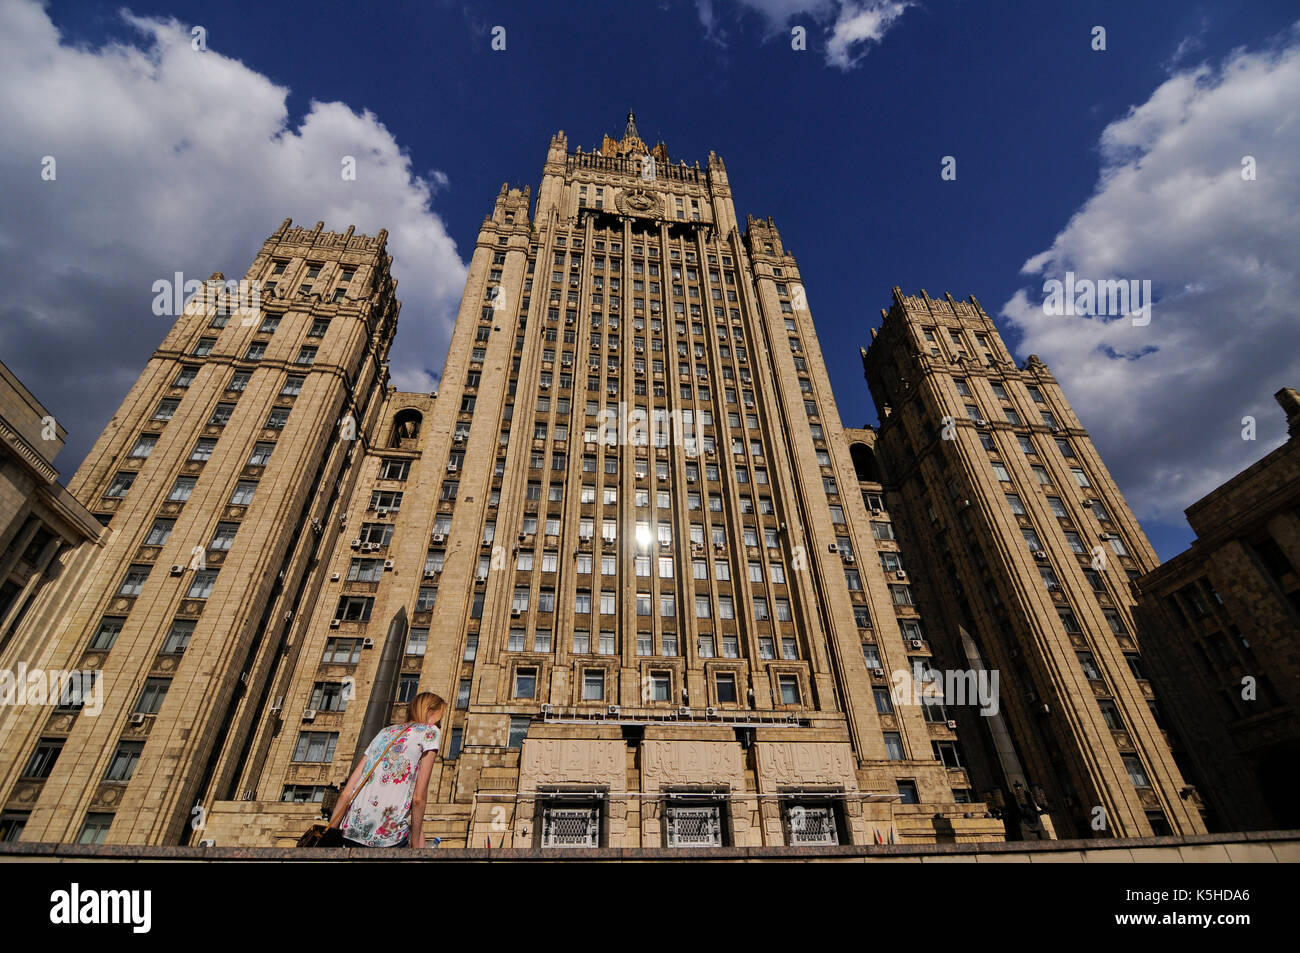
382, 804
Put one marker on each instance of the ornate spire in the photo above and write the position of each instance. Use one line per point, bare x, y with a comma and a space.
630, 129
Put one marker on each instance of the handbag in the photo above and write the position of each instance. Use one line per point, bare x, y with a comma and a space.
327, 835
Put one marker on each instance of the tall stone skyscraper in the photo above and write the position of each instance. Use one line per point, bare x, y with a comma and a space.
625, 540
217, 479
1027, 549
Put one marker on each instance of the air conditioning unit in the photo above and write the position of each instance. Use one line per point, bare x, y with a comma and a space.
900, 574
614, 710
719, 547
459, 439
178, 570
1045, 708
515, 613
439, 537
356, 544
367, 643
430, 574
137, 719
684, 712
381, 510
832, 547
369, 547
877, 673
278, 704
848, 559
877, 512
452, 468
208, 842
335, 623
335, 577
665, 544
711, 712
917, 643
544, 386
316, 523
952, 724
981, 422
570, 320
548, 709
309, 714
1040, 554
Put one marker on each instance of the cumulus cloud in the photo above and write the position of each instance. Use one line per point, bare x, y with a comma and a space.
850, 27
1165, 401
170, 159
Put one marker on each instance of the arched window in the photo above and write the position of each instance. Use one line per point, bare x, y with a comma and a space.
406, 428
864, 462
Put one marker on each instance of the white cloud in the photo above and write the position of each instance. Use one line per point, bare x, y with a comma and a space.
1165, 402
171, 159
853, 24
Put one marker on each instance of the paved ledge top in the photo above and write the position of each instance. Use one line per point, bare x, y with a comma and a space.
127, 853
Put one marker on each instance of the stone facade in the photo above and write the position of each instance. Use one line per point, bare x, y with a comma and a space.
1022, 550
624, 540
39, 518
1222, 621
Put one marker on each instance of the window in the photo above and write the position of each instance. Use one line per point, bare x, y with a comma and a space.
1110, 714
1136, 772
354, 608
292, 385
894, 746
316, 746
342, 651
202, 583
203, 450
134, 581
525, 685
144, 445
518, 731
151, 698
43, 758
178, 637
1080, 477
261, 454
182, 489
110, 627
166, 409
789, 688
1001, 472
277, 418
121, 483
243, 494
593, 685
95, 830
1089, 665
306, 355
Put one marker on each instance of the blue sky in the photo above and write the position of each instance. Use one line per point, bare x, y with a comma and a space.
844, 153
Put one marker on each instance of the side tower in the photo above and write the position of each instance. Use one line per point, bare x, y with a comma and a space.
216, 479
1030, 549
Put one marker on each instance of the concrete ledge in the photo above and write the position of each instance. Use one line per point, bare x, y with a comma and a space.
1244, 847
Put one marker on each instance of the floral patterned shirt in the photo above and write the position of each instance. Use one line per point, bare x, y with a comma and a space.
380, 814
